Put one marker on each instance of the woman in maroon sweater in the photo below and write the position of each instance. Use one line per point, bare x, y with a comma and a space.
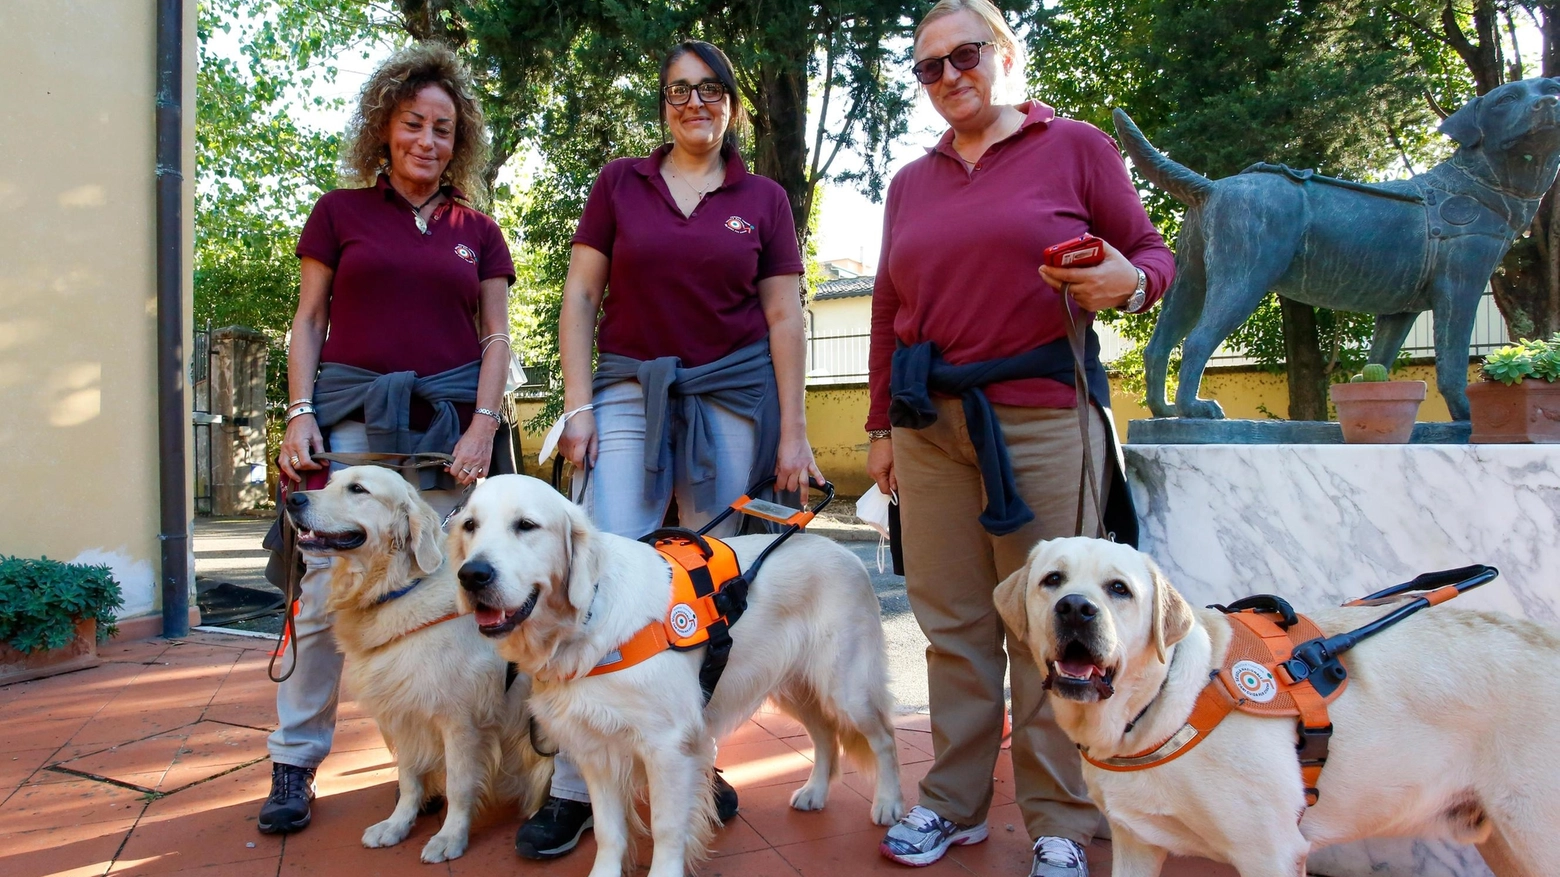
964, 229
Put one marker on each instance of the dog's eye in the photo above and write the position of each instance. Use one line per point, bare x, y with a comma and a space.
355, 487
469, 525
1053, 579
1507, 98
524, 526
1119, 588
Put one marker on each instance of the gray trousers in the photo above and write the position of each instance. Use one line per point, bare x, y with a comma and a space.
306, 701
617, 502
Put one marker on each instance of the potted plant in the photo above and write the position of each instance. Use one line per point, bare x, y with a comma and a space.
1519, 398
1373, 409
52, 615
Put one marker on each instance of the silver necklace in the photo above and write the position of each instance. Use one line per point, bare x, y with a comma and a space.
422, 224
694, 189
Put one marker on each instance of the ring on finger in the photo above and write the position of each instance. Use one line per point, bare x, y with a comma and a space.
294, 459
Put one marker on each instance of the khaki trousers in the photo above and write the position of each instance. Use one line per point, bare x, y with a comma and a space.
952, 565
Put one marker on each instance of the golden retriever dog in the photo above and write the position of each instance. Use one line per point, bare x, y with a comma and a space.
558, 596
1448, 728
433, 683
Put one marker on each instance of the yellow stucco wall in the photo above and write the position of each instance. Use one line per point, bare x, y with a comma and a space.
835, 415
78, 438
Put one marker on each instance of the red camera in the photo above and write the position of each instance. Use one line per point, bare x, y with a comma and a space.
1084, 251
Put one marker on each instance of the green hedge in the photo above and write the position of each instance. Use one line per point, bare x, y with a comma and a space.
41, 600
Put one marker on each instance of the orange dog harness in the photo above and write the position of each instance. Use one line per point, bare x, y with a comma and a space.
1255, 679
709, 593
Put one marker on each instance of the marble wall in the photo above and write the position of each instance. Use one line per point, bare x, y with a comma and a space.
1320, 524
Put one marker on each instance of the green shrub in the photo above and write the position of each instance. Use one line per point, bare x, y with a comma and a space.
41, 601
1539, 360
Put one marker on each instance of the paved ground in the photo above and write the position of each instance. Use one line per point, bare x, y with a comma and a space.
154, 763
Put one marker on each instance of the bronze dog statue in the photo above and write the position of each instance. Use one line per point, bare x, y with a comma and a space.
1393, 249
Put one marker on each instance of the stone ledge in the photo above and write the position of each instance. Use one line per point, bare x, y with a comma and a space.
1195, 431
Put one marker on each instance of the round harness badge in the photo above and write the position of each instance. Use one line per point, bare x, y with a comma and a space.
685, 622
1254, 681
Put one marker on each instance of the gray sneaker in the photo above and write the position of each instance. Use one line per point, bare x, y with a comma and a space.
1058, 857
922, 837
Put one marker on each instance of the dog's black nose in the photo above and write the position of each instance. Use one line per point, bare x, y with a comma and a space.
475, 575
1076, 609
297, 501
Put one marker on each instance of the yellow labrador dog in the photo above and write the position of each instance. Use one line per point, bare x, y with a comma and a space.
1448, 728
433, 683
558, 596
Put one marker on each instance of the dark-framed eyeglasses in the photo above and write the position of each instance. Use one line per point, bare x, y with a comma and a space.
679, 93
963, 57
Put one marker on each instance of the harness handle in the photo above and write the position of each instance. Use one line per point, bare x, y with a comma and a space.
1266, 603
1464, 578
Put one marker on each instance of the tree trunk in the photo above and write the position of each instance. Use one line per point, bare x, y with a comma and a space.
1307, 368
780, 133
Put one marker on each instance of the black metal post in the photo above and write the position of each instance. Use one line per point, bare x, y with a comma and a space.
172, 419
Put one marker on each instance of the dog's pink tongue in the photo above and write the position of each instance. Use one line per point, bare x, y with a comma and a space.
489, 617
1080, 669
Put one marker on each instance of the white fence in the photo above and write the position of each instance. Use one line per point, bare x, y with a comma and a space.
842, 359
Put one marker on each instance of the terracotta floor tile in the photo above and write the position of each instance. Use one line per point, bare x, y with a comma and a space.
18, 766
113, 727
159, 867
355, 734
356, 769
763, 763
68, 695
750, 732
921, 740
37, 806
768, 810
1002, 779
250, 714
1007, 853
25, 734
910, 776
68, 850
760, 863
778, 724
493, 853
207, 824
914, 722
399, 861
212, 749
138, 758
908, 753
737, 836
856, 854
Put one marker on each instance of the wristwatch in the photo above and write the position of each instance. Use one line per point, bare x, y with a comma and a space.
1135, 303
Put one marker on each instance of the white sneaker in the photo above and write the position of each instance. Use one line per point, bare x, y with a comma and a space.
1059, 857
922, 837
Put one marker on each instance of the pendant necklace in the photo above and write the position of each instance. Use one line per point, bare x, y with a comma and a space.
422, 224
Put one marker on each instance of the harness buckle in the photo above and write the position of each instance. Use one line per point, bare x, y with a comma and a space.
731, 600
1313, 744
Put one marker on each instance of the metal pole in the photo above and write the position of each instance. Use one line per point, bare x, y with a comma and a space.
171, 418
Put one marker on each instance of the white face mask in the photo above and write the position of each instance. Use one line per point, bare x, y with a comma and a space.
872, 509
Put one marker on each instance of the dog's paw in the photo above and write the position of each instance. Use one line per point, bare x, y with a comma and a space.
385, 834
810, 797
888, 812
443, 847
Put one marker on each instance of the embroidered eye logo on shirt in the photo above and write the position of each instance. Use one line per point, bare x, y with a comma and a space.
739, 225
466, 253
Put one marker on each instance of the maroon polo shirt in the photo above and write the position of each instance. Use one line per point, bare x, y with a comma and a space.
685, 286
401, 300
961, 249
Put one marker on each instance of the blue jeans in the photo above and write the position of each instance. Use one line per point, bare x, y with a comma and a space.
618, 501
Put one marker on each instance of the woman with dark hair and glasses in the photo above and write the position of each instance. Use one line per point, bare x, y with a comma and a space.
691, 266
986, 468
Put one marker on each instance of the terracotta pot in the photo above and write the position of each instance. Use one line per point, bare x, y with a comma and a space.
79, 654
1524, 412
1378, 412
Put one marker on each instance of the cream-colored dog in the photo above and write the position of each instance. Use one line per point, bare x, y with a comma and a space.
433, 683
558, 596
1448, 729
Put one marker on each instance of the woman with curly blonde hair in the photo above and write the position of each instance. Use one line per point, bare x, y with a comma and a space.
399, 345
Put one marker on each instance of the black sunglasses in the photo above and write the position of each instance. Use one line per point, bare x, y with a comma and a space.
964, 57
679, 94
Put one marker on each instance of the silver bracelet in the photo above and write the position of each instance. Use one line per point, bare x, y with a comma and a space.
876, 434
296, 402
299, 411
491, 413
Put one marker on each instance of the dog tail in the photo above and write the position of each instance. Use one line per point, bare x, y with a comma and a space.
1188, 186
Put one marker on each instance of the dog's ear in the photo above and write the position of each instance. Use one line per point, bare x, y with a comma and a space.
424, 537
1172, 614
582, 556
1010, 598
1463, 125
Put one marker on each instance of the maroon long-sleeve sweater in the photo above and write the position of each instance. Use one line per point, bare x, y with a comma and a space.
961, 249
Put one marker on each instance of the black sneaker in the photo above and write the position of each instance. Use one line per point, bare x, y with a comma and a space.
725, 798
553, 830
287, 810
